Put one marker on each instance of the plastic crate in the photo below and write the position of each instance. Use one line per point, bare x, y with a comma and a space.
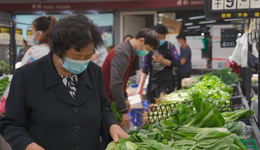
161, 112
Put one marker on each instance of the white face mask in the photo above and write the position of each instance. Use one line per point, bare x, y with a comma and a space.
178, 44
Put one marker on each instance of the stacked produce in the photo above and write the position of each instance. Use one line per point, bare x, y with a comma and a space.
227, 76
191, 126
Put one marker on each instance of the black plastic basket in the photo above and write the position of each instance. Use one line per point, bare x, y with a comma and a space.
235, 90
161, 112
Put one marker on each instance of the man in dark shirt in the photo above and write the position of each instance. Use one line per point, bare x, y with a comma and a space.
159, 64
185, 60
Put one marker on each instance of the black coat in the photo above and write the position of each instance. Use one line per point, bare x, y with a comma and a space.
40, 109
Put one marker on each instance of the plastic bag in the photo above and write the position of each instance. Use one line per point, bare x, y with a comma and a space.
247, 130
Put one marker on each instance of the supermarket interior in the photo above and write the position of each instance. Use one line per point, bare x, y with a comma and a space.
129, 74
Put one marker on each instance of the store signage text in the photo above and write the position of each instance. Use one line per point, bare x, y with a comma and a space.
50, 7
190, 2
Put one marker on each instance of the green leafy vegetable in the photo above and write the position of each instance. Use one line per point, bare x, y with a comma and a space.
116, 112
3, 85
238, 114
227, 76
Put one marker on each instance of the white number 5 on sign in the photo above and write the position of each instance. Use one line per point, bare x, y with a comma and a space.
230, 4
255, 4
217, 4
243, 4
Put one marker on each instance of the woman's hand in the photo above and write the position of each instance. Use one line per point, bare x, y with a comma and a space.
34, 146
117, 132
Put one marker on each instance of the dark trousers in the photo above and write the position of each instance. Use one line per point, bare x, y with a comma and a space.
182, 75
155, 90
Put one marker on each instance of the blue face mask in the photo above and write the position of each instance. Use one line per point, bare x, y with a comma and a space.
162, 42
75, 66
33, 38
144, 52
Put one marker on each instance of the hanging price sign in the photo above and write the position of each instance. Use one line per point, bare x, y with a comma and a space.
4, 36
29, 38
19, 37
230, 9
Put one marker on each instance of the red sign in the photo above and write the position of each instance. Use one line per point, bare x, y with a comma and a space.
130, 4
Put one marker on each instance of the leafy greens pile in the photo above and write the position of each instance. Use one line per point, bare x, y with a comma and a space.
191, 127
227, 76
213, 89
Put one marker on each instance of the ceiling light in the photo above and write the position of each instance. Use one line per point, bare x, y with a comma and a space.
232, 19
202, 34
209, 25
206, 22
188, 24
193, 27
161, 15
179, 19
196, 17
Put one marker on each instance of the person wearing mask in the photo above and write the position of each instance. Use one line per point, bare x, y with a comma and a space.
22, 51
117, 67
185, 59
135, 68
41, 27
160, 65
69, 108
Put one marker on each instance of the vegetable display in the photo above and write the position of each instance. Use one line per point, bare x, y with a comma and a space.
3, 85
227, 76
191, 127
4, 68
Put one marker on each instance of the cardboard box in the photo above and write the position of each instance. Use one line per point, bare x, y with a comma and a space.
218, 64
199, 63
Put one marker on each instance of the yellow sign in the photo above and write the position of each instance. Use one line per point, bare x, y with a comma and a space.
226, 15
257, 14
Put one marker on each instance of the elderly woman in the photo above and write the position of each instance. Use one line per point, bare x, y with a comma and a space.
59, 102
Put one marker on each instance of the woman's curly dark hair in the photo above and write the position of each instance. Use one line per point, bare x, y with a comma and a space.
75, 31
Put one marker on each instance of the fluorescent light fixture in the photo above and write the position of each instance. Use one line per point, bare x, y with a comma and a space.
186, 30
188, 24
239, 26
179, 19
209, 25
202, 34
161, 15
197, 17
206, 22
232, 19
193, 27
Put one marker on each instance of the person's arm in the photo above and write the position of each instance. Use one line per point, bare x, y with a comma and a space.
14, 125
145, 71
185, 56
183, 61
119, 64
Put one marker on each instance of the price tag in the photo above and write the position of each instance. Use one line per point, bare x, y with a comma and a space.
255, 4
217, 4
243, 4
230, 4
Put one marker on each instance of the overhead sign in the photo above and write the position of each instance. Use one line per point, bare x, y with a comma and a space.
19, 37
230, 9
4, 36
29, 38
228, 38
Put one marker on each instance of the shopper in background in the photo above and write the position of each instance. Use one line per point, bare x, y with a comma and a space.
41, 27
100, 55
185, 60
117, 67
160, 65
135, 68
22, 51
127, 37
59, 102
